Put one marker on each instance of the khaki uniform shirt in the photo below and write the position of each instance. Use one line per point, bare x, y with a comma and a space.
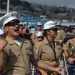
36, 46
17, 58
60, 35
69, 46
34, 35
45, 52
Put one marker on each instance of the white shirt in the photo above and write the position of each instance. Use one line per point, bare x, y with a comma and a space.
17, 42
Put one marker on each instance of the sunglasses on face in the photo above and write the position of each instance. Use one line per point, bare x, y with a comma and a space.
12, 23
40, 37
39, 26
54, 29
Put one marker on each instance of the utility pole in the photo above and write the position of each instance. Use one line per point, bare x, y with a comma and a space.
8, 6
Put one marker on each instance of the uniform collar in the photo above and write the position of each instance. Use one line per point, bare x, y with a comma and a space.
11, 41
45, 41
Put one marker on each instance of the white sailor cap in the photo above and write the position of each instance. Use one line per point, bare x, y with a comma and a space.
50, 25
58, 23
39, 34
8, 18
39, 23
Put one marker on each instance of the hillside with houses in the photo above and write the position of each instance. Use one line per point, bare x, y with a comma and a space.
27, 9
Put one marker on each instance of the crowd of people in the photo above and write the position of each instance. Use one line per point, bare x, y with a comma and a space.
43, 48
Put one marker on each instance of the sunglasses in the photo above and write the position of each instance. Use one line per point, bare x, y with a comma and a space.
40, 37
54, 29
13, 23
39, 25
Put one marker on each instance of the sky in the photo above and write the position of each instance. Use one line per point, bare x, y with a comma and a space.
68, 3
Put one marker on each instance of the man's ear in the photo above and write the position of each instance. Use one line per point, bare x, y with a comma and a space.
48, 31
6, 29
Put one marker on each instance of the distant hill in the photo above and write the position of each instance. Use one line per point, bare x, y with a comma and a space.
32, 9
